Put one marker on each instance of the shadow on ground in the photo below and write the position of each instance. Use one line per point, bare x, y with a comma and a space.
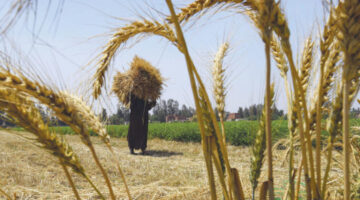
160, 153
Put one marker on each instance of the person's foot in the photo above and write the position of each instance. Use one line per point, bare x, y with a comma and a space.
132, 151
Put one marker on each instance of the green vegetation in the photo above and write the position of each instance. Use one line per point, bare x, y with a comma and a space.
237, 132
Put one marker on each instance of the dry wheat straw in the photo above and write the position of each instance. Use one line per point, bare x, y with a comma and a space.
258, 148
62, 109
122, 36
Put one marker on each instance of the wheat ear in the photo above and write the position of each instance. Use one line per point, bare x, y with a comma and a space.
93, 122
200, 5
62, 109
307, 63
218, 85
258, 148
25, 114
120, 37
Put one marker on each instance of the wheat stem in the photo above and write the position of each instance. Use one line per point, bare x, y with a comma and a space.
299, 180
318, 128
6, 195
346, 147
268, 121
259, 147
68, 176
182, 43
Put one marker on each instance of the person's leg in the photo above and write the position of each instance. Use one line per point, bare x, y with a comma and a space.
132, 151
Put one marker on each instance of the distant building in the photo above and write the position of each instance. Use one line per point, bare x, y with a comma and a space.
233, 117
175, 118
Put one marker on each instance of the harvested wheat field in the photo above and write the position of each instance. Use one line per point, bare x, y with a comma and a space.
171, 170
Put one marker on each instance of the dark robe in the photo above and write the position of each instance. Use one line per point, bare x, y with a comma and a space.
138, 127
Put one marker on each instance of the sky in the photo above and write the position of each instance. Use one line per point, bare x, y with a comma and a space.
62, 43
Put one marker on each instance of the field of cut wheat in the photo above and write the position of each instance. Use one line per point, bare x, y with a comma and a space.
170, 170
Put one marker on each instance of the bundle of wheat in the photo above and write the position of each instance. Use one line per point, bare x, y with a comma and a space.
142, 80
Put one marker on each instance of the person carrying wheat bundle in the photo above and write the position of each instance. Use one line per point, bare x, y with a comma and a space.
138, 88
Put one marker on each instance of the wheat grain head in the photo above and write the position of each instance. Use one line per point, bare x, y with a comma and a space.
219, 78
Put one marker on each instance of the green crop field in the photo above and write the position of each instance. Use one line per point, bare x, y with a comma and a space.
237, 132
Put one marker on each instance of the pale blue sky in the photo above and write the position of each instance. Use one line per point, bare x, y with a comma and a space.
67, 43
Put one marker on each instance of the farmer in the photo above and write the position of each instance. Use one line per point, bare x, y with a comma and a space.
138, 88
138, 127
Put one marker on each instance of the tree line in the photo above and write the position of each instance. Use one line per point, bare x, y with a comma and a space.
254, 112
162, 109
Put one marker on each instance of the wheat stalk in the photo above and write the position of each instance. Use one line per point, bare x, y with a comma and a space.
258, 148
280, 27
324, 84
264, 13
120, 37
348, 25
210, 138
199, 114
192, 74
282, 64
